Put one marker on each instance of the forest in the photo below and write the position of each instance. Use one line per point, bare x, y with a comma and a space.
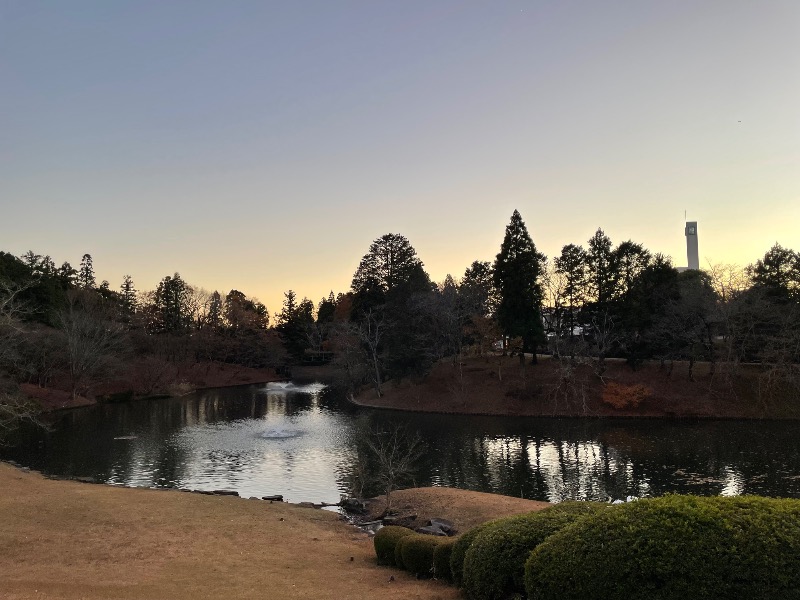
592, 302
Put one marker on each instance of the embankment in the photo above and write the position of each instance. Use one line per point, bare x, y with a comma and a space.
497, 385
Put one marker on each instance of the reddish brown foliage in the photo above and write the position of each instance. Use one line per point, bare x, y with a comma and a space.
624, 396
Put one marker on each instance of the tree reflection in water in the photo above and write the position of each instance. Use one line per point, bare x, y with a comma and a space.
216, 439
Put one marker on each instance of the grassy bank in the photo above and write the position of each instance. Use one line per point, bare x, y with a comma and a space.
70, 540
144, 377
498, 385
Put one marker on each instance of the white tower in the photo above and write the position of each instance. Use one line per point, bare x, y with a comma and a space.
692, 254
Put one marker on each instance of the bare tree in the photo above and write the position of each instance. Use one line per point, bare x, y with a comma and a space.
13, 406
198, 303
605, 334
12, 311
349, 360
40, 354
483, 331
572, 384
395, 453
780, 379
730, 282
93, 340
370, 332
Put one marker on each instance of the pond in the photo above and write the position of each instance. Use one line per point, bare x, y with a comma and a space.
303, 441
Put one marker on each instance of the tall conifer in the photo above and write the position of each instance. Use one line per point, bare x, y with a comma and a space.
86, 278
516, 277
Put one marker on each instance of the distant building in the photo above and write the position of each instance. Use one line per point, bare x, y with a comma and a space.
692, 254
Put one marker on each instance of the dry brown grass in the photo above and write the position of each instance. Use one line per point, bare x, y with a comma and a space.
497, 385
463, 507
70, 540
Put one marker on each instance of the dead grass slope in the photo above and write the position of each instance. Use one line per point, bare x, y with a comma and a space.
497, 385
65, 540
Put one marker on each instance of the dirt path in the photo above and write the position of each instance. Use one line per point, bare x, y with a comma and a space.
69, 540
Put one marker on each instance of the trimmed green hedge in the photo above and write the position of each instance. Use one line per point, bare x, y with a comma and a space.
674, 548
398, 554
460, 548
441, 559
494, 564
416, 553
385, 541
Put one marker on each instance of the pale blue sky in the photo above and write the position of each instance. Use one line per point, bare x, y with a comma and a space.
263, 145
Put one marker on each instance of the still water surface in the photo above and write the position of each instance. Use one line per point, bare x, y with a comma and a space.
300, 440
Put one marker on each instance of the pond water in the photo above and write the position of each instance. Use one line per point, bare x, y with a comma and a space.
302, 441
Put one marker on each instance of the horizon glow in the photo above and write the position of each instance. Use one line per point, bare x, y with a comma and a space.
263, 146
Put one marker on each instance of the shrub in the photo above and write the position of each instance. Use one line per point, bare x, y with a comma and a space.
622, 396
385, 541
494, 564
416, 553
441, 559
460, 548
398, 555
675, 547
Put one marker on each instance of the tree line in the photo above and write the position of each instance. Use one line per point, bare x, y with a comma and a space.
589, 303
58, 324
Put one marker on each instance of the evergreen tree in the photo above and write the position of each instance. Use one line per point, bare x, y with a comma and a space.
649, 301
601, 269
294, 322
31, 260
47, 267
390, 270
127, 297
242, 313
173, 313
516, 277
326, 309
602, 276
630, 260
778, 273
289, 308
66, 275
477, 288
104, 291
86, 273
305, 311
214, 318
572, 265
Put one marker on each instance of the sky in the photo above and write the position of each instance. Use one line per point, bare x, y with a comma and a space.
263, 145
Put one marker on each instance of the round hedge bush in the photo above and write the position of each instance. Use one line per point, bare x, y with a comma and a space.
675, 547
460, 548
441, 559
398, 555
416, 553
385, 541
494, 564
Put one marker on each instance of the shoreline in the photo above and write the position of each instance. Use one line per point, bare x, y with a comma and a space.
358, 404
497, 386
56, 398
494, 385
131, 386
